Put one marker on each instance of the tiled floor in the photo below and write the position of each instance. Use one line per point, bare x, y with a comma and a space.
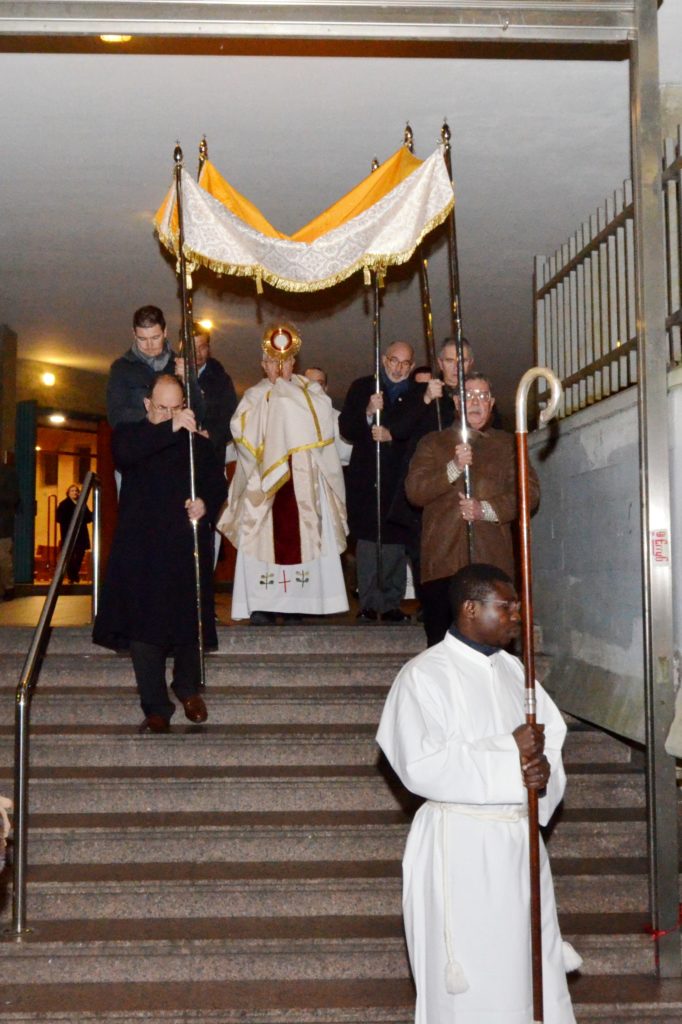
75, 610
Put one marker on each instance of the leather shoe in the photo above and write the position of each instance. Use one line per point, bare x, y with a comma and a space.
155, 723
262, 618
367, 615
394, 615
195, 709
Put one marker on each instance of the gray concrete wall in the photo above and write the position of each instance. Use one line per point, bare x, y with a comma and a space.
587, 563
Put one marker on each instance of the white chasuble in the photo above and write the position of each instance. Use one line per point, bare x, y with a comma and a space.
447, 730
286, 430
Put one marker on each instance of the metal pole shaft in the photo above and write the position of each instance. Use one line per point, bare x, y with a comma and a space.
20, 813
428, 327
189, 354
456, 313
659, 693
96, 547
377, 420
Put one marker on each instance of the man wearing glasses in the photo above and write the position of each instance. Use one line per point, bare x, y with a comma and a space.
148, 601
435, 482
379, 599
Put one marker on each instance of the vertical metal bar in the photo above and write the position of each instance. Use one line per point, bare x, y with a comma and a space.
602, 221
96, 547
189, 354
580, 319
376, 329
655, 488
631, 260
587, 315
622, 335
456, 308
611, 293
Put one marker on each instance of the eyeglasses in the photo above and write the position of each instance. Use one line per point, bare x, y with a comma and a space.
394, 363
170, 409
511, 606
481, 396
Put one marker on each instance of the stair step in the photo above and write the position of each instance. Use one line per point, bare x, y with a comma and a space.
226, 705
281, 888
250, 669
301, 835
280, 948
264, 787
309, 835
375, 1001
321, 638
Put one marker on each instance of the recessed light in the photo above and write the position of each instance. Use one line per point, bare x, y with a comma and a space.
206, 324
38, 448
111, 38
57, 417
48, 379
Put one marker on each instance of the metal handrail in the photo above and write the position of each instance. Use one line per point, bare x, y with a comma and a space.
26, 684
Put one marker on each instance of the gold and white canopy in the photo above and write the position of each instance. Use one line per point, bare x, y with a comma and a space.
377, 224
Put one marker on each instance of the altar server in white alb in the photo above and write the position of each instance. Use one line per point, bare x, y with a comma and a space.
286, 512
454, 730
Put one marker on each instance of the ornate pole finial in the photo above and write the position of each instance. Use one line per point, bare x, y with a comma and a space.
375, 164
203, 148
408, 138
445, 134
177, 153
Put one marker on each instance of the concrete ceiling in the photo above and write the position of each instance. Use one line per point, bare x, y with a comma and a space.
87, 158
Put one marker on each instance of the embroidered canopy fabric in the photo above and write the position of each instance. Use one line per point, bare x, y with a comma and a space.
377, 224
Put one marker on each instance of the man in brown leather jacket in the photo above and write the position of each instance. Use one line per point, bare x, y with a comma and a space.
435, 481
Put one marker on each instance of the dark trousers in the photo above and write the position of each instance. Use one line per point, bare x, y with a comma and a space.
149, 664
435, 598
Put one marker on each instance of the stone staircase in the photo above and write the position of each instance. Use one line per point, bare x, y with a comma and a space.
249, 870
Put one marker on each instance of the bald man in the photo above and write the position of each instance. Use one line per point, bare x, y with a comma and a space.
357, 423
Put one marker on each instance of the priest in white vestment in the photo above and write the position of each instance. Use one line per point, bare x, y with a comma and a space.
453, 729
286, 511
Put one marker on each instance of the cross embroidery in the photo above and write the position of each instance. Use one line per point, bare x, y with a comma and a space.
284, 580
302, 577
267, 579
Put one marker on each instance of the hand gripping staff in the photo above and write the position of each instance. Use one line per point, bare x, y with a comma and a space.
528, 652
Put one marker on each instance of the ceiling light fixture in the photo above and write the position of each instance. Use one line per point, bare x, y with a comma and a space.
57, 418
206, 324
48, 379
110, 38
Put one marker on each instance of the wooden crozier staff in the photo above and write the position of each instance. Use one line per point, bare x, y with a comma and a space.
456, 313
528, 651
408, 142
191, 386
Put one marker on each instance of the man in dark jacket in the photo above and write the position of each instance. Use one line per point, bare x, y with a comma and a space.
217, 399
131, 376
149, 598
357, 424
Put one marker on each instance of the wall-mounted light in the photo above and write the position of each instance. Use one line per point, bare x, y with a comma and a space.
48, 379
113, 38
57, 418
206, 324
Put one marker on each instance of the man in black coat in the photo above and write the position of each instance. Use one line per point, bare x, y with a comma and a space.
357, 425
149, 598
217, 399
65, 511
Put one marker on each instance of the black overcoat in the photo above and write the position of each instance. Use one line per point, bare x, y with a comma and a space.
149, 588
361, 473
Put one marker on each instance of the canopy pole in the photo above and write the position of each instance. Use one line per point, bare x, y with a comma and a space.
203, 155
191, 384
456, 313
529, 654
408, 142
376, 325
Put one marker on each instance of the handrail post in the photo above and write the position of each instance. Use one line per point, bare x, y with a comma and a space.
23, 703
96, 546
